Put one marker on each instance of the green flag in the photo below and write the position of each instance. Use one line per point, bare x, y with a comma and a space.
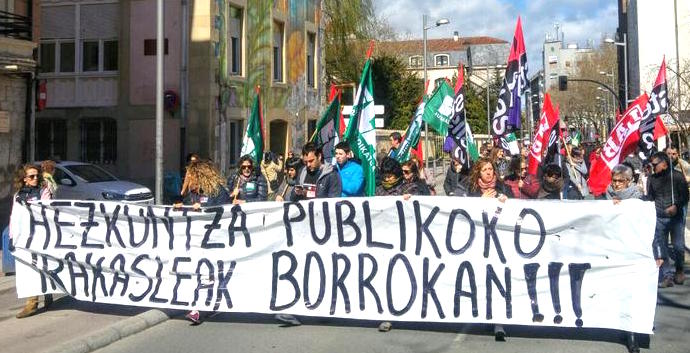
439, 108
253, 140
472, 149
326, 135
411, 135
509, 143
361, 131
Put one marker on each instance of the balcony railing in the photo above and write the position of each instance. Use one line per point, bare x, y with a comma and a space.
15, 26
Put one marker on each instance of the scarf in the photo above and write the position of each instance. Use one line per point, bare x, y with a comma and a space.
391, 184
483, 187
631, 192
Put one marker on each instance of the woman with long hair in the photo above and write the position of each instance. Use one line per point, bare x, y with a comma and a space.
484, 182
249, 185
411, 175
522, 184
27, 186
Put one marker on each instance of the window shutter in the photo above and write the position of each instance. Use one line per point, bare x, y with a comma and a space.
57, 22
100, 21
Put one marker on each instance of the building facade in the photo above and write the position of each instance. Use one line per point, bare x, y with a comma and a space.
561, 60
484, 58
98, 64
18, 41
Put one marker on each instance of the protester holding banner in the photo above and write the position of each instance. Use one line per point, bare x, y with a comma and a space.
392, 180
484, 182
423, 174
317, 180
351, 172
555, 187
191, 157
455, 184
249, 185
522, 184
27, 184
410, 173
669, 191
622, 186
292, 168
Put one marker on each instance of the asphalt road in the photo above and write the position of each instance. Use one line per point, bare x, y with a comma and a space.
261, 333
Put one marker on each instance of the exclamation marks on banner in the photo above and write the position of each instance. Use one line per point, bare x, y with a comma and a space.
577, 273
554, 274
531, 279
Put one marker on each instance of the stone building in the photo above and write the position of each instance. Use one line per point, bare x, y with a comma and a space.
18, 29
97, 59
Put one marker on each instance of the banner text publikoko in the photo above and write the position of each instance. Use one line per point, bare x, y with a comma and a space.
443, 259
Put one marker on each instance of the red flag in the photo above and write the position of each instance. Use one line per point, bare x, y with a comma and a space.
659, 128
547, 120
657, 105
461, 78
622, 141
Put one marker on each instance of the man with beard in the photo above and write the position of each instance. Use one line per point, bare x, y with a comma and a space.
669, 191
317, 180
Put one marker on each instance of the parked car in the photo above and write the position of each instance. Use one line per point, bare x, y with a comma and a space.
85, 181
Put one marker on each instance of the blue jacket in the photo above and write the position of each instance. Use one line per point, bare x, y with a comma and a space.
352, 179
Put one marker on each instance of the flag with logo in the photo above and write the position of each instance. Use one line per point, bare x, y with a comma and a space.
327, 133
656, 106
361, 131
439, 108
412, 134
253, 140
547, 120
507, 117
458, 128
622, 141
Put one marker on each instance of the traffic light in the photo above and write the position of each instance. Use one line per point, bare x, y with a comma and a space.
562, 83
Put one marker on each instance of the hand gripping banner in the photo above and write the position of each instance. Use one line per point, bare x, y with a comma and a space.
433, 259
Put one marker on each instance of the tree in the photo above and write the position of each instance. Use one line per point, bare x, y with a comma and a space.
579, 105
679, 102
397, 89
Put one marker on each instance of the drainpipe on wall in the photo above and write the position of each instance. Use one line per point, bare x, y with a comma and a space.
29, 154
183, 83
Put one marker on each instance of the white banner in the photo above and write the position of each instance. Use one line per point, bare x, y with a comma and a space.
443, 259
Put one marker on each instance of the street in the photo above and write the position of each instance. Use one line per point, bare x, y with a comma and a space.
261, 333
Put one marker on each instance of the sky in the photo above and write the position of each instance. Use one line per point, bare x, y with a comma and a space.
580, 20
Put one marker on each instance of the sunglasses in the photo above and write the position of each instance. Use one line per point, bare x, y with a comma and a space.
32, 176
245, 167
406, 171
619, 180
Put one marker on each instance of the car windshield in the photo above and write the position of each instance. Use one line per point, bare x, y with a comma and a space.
90, 173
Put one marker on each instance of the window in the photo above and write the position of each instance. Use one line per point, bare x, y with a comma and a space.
236, 131
439, 81
416, 61
67, 57
110, 55
47, 53
89, 56
51, 139
277, 52
150, 47
235, 47
311, 52
99, 140
441, 60
311, 127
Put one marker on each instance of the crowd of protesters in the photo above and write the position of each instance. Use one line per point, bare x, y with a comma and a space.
662, 178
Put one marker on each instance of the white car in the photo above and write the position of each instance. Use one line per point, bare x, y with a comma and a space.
85, 181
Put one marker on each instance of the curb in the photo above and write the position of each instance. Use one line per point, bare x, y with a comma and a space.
112, 333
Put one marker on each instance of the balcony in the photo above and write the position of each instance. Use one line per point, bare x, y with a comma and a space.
15, 26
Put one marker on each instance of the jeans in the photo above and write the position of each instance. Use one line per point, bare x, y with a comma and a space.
675, 227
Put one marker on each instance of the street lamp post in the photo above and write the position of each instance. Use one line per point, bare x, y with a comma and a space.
623, 44
441, 22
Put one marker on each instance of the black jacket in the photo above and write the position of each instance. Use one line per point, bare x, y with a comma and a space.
659, 191
454, 183
255, 189
27, 193
222, 198
327, 185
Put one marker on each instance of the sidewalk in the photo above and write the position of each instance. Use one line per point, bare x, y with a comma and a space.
69, 325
